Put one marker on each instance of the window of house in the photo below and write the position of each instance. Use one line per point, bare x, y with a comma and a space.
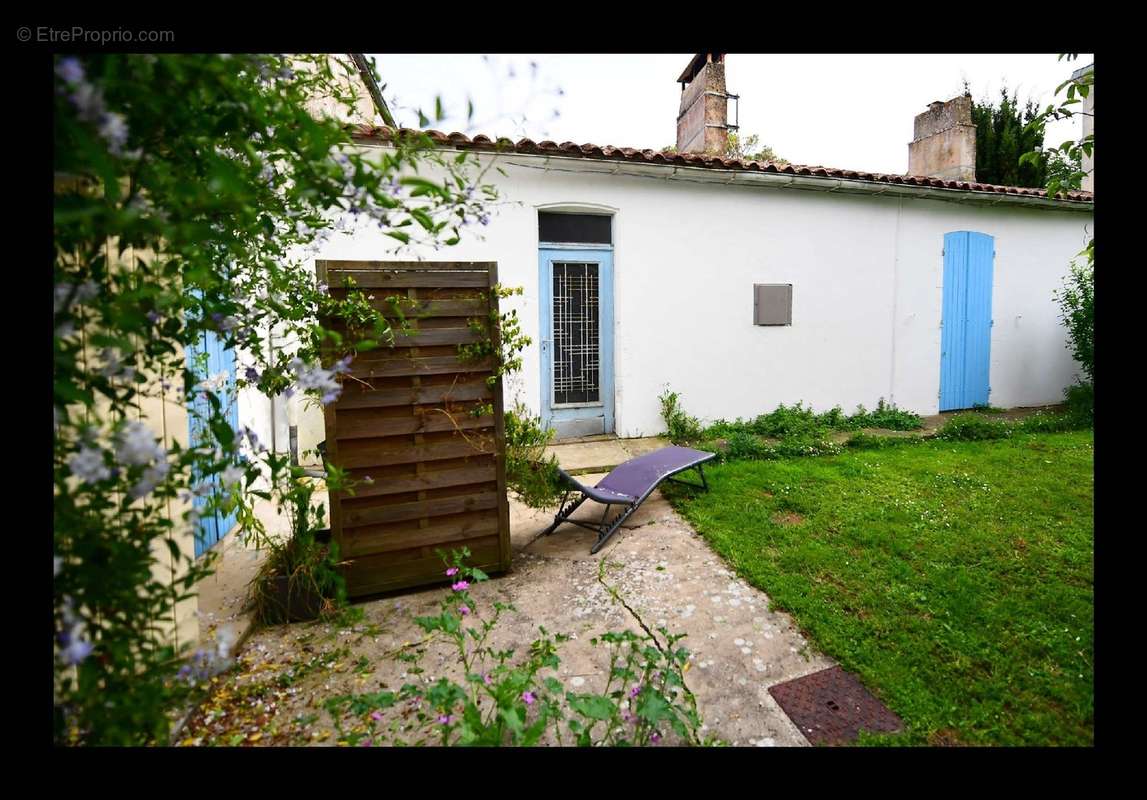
575, 228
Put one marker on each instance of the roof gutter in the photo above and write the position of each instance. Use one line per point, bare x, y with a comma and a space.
689, 174
807, 183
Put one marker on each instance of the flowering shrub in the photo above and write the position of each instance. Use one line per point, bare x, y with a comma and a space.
190, 190
508, 702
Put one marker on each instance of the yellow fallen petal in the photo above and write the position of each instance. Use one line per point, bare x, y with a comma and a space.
687, 665
254, 737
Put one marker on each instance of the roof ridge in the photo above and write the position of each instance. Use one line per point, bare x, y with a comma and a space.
648, 155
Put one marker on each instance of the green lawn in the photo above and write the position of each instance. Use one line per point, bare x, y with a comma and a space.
955, 578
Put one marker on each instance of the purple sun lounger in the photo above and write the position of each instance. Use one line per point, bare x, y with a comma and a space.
628, 485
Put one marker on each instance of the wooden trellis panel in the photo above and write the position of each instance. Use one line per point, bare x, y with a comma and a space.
404, 420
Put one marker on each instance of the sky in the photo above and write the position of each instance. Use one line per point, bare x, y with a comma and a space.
844, 111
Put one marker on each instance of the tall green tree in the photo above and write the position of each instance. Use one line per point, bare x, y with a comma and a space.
1076, 297
1004, 132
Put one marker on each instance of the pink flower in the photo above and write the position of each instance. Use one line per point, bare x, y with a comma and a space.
625, 715
460, 586
529, 698
655, 737
376, 715
367, 743
452, 572
487, 680
636, 690
464, 610
444, 719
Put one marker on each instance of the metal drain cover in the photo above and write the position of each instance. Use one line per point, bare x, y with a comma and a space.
832, 707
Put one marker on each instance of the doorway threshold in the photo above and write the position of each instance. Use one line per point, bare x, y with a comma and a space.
597, 437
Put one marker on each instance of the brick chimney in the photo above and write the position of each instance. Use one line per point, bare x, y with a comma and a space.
944, 141
703, 118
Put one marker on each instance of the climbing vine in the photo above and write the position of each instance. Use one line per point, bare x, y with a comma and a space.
530, 474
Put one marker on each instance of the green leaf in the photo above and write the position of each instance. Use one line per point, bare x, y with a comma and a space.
593, 706
652, 708
400, 236
223, 432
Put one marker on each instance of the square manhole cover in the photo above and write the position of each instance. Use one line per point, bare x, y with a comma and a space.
832, 707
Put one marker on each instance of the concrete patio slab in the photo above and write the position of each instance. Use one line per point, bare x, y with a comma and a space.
602, 455
663, 569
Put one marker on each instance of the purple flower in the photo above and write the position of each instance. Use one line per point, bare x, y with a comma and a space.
444, 719
367, 743
486, 679
252, 374
88, 100
655, 737
153, 317
450, 573
636, 690
464, 610
74, 643
376, 715
76, 649
70, 70
113, 129
88, 465
461, 586
529, 698
625, 715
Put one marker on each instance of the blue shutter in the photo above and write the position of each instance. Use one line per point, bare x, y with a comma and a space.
214, 526
979, 328
966, 336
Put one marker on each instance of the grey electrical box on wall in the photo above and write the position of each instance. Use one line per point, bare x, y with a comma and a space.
772, 304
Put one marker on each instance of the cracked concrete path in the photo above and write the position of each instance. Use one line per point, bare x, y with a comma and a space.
739, 646
663, 569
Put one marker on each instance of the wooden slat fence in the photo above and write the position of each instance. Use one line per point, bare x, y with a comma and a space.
404, 419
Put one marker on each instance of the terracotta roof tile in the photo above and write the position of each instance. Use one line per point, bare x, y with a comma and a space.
594, 151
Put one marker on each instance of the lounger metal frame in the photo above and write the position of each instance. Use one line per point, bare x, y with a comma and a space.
605, 529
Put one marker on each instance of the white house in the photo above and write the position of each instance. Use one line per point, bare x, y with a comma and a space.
742, 285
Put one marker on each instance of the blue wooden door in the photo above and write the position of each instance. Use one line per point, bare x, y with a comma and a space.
208, 358
577, 339
966, 333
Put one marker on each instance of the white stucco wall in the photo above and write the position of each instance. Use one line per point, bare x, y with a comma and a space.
867, 291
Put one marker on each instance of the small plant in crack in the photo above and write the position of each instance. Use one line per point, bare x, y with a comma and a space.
507, 700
